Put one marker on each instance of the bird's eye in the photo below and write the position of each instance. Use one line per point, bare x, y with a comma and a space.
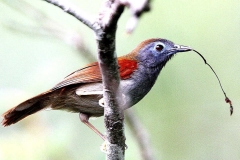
159, 47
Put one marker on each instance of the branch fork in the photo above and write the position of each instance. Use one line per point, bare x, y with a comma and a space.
105, 26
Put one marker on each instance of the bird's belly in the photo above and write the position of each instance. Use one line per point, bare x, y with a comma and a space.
135, 90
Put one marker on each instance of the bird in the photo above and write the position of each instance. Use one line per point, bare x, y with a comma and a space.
82, 91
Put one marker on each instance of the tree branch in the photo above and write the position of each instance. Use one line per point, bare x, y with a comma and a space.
137, 8
70, 9
105, 33
46, 27
140, 134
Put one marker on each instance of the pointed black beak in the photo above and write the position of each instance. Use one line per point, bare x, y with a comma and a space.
181, 48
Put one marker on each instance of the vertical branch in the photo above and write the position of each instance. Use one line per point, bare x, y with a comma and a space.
113, 115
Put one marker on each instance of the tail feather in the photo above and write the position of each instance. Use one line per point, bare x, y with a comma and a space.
25, 109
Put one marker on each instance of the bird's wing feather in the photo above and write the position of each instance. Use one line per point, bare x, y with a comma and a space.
126, 67
91, 73
88, 74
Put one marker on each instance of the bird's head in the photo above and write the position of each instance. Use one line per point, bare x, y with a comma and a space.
156, 52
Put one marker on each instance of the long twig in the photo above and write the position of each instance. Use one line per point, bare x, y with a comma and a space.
70, 9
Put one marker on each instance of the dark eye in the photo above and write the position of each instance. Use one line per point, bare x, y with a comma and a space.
159, 47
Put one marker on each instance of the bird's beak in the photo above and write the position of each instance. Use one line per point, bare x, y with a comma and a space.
181, 48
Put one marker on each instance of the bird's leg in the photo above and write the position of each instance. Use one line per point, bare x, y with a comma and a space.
84, 119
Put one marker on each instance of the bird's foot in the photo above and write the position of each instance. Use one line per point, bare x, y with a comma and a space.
103, 147
122, 101
101, 102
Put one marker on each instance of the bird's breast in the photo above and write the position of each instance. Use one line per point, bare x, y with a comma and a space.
140, 83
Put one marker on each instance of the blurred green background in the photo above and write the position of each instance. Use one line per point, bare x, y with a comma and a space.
185, 113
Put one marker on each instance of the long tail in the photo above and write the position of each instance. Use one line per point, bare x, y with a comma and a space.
25, 109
